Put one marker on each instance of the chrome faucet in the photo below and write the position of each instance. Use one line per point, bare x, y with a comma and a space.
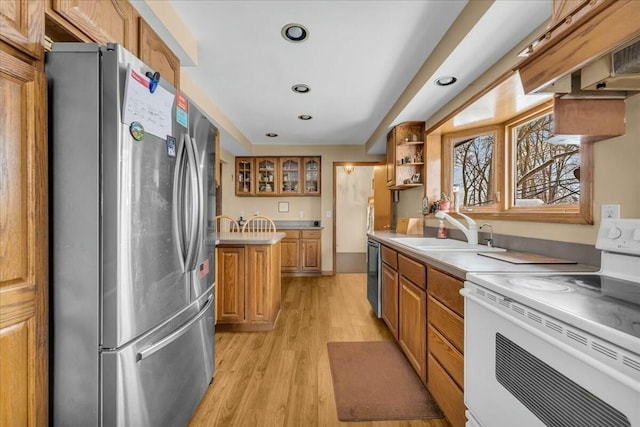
470, 233
490, 240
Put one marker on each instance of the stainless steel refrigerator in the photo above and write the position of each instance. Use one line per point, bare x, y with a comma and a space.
132, 279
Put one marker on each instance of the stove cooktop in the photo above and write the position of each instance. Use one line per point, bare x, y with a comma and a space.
595, 302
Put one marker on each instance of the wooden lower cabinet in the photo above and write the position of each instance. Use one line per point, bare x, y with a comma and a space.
450, 397
290, 256
311, 251
301, 252
413, 326
445, 342
24, 241
404, 306
390, 298
248, 287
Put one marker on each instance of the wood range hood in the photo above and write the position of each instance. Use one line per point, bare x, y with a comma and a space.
589, 58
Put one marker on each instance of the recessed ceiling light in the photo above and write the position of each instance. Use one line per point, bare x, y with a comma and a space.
300, 88
294, 33
271, 134
305, 117
445, 81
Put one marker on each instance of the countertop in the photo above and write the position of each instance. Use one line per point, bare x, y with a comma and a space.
460, 263
298, 225
227, 238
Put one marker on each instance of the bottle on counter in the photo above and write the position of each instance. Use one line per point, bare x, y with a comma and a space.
442, 230
241, 221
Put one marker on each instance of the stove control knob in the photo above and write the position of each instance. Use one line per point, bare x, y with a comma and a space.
614, 233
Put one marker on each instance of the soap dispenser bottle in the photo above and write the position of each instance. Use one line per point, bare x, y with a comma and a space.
442, 231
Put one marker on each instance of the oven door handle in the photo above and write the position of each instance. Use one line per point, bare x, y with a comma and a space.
594, 363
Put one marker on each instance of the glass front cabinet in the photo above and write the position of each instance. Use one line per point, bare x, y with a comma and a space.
311, 175
278, 176
267, 176
290, 176
244, 176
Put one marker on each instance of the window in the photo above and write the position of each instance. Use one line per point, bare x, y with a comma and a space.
473, 166
545, 181
544, 173
473, 169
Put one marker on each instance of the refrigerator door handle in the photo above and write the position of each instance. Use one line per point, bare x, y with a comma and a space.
195, 208
201, 205
178, 198
154, 348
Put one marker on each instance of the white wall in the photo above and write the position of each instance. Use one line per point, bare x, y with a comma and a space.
352, 192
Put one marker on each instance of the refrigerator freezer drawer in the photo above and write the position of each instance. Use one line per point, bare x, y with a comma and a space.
160, 380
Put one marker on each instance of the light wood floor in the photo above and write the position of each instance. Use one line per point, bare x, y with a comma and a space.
282, 377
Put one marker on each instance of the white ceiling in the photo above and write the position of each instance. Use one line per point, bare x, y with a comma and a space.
359, 58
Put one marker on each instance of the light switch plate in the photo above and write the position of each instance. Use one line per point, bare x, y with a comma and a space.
610, 211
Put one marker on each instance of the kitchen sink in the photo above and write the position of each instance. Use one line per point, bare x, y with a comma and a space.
431, 244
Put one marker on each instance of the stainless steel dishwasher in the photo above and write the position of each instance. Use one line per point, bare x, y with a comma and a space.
373, 276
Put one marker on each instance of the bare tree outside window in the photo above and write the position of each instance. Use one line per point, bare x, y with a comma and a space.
473, 169
545, 174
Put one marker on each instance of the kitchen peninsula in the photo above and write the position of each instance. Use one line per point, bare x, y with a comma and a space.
247, 281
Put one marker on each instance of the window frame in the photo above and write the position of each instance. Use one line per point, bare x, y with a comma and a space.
449, 142
504, 208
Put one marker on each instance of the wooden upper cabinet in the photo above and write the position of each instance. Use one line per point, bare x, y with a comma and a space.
155, 53
22, 25
563, 8
290, 179
267, 175
405, 156
244, 176
24, 244
391, 158
105, 21
584, 32
311, 166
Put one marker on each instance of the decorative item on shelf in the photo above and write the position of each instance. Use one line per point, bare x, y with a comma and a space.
415, 178
414, 138
418, 157
444, 204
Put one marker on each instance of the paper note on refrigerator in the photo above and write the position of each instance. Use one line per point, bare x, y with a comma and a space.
152, 110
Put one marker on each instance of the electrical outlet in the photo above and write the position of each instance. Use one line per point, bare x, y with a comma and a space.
328, 214
610, 211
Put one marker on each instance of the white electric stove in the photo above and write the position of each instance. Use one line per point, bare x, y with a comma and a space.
559, 349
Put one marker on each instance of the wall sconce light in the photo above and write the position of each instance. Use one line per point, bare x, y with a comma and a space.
348, 169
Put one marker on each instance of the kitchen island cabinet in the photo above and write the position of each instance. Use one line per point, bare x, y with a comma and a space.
248, 281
